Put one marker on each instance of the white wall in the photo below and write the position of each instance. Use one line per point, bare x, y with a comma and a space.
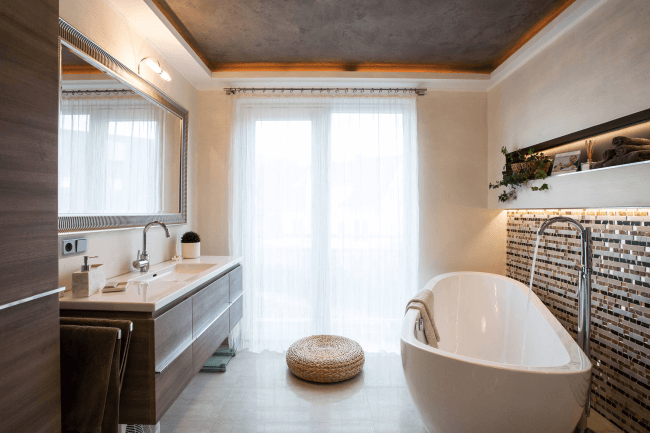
457, 231
596, 72
110, 30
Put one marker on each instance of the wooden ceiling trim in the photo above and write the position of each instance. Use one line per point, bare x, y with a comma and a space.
546, 20
173, 19
356, 67
79, 70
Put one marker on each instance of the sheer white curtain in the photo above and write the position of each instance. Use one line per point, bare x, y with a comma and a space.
324, 211
110, 155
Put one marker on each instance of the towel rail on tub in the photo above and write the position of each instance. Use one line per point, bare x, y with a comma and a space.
31, 298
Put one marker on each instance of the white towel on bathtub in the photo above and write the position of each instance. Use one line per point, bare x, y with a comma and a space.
423, 302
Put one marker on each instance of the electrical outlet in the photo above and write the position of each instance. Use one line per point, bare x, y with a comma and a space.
73, 246
69, 247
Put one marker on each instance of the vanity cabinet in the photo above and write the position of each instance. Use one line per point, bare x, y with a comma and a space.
209, 303
170, 345
203, 345
236, 287
172, 333
236, 312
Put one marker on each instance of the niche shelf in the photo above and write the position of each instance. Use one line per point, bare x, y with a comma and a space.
624, 122
621, 186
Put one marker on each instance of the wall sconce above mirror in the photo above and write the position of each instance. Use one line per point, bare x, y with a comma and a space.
154, 65
122, 143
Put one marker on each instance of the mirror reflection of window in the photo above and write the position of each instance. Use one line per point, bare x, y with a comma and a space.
119, 153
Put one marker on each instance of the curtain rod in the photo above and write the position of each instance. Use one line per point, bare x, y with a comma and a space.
302, 91
98, 92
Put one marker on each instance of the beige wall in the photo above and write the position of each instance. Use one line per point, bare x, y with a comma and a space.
596, 72
214, 154
457, 232
117, 249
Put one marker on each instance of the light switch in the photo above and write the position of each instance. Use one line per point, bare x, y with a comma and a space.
81, 245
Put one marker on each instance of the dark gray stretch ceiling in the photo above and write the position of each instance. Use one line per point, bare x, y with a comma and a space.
474, 34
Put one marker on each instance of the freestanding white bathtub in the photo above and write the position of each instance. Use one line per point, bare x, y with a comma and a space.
476, 382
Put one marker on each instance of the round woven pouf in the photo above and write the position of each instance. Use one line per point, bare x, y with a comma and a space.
325, 358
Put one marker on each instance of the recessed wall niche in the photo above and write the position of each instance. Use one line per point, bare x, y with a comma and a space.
636, 125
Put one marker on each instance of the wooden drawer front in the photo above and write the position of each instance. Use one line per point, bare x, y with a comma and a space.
208, 304
236, 312
205, 345
172, 381
172, 333
236, 287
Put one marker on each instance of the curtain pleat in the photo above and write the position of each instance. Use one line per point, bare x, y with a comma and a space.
110, 156
324, 212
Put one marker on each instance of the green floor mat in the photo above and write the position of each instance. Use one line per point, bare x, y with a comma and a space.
219, 360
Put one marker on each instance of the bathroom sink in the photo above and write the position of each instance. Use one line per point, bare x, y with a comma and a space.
175, 273
192, 268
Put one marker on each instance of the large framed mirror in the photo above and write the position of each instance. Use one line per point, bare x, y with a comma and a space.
122, 143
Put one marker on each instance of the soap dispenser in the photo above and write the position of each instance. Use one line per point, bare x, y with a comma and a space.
89, 280
86, 267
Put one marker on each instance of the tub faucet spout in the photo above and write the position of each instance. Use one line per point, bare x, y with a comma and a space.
584, 296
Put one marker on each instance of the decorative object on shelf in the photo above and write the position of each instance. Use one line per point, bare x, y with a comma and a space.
626, 151
191, 245
621, 140
89, 280
520, 169
567, 162
589, 144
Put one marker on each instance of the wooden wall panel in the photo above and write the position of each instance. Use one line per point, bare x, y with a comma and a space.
30, 393
29, 83
30, 388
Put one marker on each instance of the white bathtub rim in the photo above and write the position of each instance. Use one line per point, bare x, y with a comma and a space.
578, 362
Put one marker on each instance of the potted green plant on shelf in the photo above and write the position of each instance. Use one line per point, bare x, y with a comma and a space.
520, 169
191, 245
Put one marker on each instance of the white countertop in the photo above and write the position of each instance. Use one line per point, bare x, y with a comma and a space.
161, 292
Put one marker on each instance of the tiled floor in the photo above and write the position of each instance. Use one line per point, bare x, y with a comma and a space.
259, 394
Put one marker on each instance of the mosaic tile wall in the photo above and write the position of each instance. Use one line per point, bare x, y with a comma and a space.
620, 315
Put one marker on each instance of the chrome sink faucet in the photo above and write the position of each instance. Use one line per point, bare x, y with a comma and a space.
584, 297
142, 260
